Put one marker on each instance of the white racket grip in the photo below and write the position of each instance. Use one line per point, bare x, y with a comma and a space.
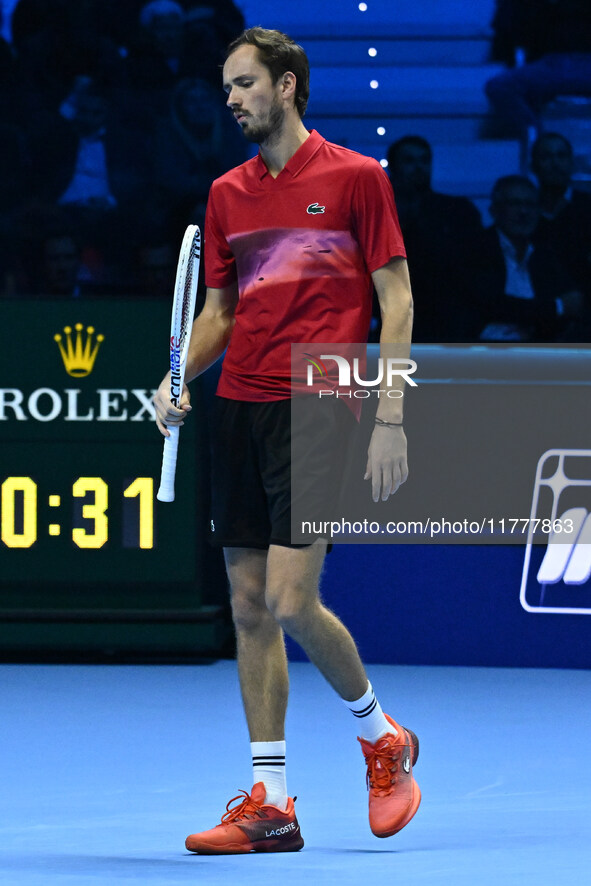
171, 445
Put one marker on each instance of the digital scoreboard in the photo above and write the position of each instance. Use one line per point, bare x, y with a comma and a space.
88, 557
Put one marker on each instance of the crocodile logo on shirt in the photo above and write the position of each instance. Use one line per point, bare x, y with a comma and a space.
314, 209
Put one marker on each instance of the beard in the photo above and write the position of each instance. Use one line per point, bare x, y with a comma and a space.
269, 129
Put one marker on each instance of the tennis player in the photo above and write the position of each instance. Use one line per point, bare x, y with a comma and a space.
295, 241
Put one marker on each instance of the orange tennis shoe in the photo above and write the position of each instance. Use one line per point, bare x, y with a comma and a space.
250, 826
394, 795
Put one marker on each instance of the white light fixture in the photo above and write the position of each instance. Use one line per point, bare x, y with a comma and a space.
383, 162
363, 7
374, 84
372, 51
381, 130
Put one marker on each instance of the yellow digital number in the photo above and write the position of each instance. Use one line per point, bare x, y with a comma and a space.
93, 511
28, 535
144, 488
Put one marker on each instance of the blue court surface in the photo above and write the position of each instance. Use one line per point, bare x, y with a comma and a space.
105, 769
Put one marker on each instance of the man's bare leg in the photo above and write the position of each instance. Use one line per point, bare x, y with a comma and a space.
262, 662
276, 590
293, 598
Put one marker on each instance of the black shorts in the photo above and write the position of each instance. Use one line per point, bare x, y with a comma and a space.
266, 479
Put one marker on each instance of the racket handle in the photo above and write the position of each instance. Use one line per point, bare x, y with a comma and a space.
171, 444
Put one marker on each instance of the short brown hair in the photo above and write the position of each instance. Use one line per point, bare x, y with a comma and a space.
279, 53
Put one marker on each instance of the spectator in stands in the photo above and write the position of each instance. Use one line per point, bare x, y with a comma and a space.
210, 25
48, 257
439, 231
118, 20
197, 142
94, 166
522, 292
57, 44
553, 38
565, 223
157, 58
173, 41
224, 16
81, 159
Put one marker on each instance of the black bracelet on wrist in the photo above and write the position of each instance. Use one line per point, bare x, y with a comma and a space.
388, 424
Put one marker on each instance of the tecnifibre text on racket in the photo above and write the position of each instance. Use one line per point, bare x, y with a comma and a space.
183, 308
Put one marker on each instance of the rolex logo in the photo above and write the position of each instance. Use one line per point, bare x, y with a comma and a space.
78, 355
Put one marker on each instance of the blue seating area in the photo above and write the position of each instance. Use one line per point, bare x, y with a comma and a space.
430, 61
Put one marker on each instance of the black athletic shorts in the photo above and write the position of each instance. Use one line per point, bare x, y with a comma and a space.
254, 448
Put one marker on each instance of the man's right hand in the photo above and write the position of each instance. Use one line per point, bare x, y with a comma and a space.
166, 413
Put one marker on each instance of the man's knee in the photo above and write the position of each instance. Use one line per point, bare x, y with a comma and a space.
291, 604
246, 573
248, 605
293, 577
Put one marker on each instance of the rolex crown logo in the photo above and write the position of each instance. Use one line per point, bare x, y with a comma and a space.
78, 356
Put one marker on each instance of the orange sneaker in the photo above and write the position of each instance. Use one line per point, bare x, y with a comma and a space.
394, 795
250, 826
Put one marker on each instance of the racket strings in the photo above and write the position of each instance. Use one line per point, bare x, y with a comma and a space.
187, 304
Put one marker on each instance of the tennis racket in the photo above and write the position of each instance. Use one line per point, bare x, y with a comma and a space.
183, 308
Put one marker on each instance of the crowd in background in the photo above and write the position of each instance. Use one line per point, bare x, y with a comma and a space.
527, 277
113, 126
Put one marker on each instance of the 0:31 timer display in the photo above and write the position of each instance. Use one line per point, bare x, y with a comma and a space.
20, 524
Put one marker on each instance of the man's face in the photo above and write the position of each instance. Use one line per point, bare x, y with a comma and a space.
413, 168
253, 99
516, 211
553, 163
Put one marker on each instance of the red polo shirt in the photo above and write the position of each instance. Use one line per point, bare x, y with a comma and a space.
302, 247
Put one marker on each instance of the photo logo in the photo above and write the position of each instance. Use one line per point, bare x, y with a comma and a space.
556, 578
389, 369
315, 363
78, 356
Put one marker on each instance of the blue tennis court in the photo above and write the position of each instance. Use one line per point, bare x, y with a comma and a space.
106, 769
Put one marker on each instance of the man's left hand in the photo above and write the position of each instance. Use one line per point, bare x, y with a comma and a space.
386, 461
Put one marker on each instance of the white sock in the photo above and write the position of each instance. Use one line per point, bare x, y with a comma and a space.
372, 723
268, 766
